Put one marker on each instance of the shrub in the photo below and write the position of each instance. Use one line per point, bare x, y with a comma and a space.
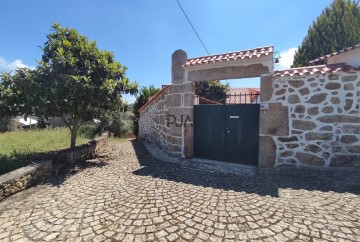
118, 123
87, 131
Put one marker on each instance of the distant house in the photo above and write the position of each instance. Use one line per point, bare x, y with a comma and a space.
243, 95
23, 123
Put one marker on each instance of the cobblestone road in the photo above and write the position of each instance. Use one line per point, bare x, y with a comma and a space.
131, 197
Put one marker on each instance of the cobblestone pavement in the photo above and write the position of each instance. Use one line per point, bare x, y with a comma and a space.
131, 197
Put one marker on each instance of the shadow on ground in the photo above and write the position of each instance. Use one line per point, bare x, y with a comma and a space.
62, 173
262, 184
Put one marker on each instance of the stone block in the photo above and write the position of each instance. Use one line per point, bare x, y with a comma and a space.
353, 149
189, 141
335, 100
288, 139
351, 129
339, 119
304, 91
179, 57
318, 136
182, 88
228, 72
317, 98
348, 139
189, 99
275, 121
333, 77
174, 140
293, 99
310, 159
327, 109
299, 109
350, 78
345, 160
173, 100
279, 92
313, 111
296, 83
332, 86
266, 88
267, 152
303, 125
313, 148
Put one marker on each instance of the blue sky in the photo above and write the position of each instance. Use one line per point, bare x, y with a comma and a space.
143, 34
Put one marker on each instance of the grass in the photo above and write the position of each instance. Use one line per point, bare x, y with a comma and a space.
17, 146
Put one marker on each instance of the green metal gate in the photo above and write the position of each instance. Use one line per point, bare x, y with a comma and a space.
227, 133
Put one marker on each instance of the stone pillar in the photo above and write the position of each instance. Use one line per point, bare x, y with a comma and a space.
180, 103
179, 58
266, 87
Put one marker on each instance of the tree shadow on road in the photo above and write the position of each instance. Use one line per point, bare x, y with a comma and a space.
261, 184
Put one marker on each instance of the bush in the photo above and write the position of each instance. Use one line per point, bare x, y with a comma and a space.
118, 123
87, 131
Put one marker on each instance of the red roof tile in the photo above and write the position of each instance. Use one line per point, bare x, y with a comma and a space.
238, 55
335, 53
242, 95
152, 98
310, 70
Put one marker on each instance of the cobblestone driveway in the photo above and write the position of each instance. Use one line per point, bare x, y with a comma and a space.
131, 197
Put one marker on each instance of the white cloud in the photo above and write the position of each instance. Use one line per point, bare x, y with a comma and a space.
12, 66
287, 58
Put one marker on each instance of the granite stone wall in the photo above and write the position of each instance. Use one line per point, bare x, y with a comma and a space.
312, 121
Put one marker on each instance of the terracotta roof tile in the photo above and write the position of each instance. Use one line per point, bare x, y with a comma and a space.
311, 70
335, 53
238, 55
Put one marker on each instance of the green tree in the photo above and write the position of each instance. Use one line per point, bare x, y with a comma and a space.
336, 28
74, 80
213, 90
142, 97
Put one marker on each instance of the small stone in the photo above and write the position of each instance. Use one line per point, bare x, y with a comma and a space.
309, 159
328, 109
313, 148
326, 128
299, 109
303, 125
332, 86
293, 99
333, 77
313, 111
345, 160
349, 78
318, 98
335, 100
349, 86
351, 129
348, 104
296, 83
354, 149
348, 139
280, 92
288, 139
304, 91
318, 136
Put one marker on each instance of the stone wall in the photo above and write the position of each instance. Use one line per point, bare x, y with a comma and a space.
153, 123
168, 119
312, 121
41, 168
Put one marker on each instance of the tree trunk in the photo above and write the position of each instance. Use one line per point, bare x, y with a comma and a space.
73, 137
